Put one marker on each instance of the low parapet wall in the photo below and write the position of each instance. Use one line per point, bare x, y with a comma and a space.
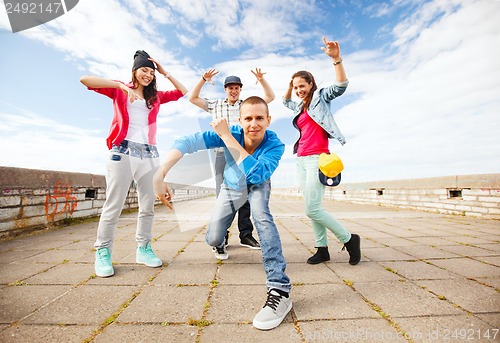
31, 198
467, 195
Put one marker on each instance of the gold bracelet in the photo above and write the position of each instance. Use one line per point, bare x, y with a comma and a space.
338, 62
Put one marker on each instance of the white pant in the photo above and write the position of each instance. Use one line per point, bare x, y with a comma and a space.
121, 170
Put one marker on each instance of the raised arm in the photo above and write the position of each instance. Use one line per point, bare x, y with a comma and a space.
194, 95
332, 49
99, 82
162, 189
288, 93
177, 84
268, 91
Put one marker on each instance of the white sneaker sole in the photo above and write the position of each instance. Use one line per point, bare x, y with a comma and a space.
249, 246
105, 275
150, 265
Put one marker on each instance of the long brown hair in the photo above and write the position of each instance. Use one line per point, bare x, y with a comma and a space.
149, 92
309, 78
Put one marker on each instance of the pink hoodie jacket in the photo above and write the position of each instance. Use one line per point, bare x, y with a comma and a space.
119, 125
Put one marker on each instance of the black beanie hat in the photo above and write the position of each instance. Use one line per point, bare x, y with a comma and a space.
141, 60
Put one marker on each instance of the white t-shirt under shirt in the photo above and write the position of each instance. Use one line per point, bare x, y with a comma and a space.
138, 122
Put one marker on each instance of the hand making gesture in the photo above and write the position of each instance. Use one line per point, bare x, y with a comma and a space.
332, 49
258, 74
220, 126
207, 76
163, 192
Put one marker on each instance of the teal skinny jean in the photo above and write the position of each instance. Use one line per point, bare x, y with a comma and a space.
313, 191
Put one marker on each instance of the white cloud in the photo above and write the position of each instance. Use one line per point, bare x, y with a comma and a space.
42, 143
433, 110
256, 24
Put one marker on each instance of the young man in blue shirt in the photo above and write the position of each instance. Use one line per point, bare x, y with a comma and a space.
229, 108
252, 155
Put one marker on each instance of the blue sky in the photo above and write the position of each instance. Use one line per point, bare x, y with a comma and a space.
423, 98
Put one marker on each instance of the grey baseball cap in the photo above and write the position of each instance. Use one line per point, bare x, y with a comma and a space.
232, 80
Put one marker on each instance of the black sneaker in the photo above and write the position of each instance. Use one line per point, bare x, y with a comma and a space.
250, 242
277, 306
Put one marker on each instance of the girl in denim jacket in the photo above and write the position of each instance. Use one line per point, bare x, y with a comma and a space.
315, 123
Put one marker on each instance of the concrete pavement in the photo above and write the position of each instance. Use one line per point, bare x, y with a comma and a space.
424, 277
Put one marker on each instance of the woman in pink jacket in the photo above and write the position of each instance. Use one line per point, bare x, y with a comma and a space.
133, 154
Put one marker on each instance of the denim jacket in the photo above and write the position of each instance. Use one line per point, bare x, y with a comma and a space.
319, 110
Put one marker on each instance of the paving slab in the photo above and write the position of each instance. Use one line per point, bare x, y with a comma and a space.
16, 272
55, 256
332, 301
166, 304
364, 272
96, 302
46, 333
148, 333
465, 250
493, 260
241, 274
322, 273
468, 267
19, 255
426, 252
246, 333
17, 302
185, 274
296, 252
493, 282
495, 247
419, 270
248, 299
468, 294
62, 274
386, 254
125, 275
348, 331
195, 252
491, 318
461, 328
391, 295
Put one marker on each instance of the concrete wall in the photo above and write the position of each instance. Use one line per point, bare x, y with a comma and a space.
32, 198
468, 195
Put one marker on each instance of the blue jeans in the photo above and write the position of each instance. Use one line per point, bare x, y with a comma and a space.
313, 191
244, 223
227, 204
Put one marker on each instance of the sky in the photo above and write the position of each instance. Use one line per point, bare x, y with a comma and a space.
424, 80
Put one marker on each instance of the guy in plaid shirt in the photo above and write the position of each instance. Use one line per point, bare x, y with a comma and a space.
229, 109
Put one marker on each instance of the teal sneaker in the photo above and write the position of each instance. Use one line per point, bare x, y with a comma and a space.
103, 265
147, 256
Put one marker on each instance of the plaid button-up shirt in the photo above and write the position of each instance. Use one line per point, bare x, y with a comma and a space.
221, 108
